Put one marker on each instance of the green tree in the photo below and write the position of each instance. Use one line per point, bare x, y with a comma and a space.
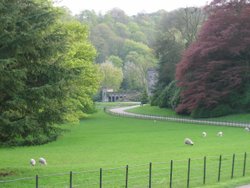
139, 36
138, 47
88, 17
86, 82
105, 41
118, 15
121, 30
177, 29
134, 79
135, 70
169, 96
35, 80
144, 97
116, 61
112, 76
31, 71
138, 59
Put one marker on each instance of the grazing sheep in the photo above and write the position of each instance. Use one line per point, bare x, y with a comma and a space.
220, 133
204, 134
188, 141
32, 162
42, 161
247, 129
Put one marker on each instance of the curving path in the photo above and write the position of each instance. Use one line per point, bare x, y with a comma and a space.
121, 112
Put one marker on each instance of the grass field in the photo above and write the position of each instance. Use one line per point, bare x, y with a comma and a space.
155, 110
111, 143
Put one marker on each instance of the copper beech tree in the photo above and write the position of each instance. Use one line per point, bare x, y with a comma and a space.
214, 73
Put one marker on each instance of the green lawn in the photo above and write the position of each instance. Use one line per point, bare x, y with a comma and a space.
111, 143
155, 110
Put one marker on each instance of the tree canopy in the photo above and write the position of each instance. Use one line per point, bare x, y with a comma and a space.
214, 73
117, 37
46, 69
112, 76
177, 30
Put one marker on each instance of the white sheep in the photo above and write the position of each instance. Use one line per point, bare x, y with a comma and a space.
42, 161
204, 134
188, 141
247, 129
32, 162
220, 133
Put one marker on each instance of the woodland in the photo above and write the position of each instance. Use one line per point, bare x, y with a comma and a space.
54, 64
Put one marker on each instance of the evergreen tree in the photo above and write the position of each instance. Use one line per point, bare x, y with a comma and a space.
35, 80
144, 97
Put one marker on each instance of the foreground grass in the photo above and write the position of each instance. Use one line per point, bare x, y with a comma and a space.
155, 110
104, 141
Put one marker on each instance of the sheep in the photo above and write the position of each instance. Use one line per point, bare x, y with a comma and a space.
188, 141
247, 129
42, 161
204, 134
32, 162
220, 133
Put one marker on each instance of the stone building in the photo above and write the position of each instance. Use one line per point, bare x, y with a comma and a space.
108, 95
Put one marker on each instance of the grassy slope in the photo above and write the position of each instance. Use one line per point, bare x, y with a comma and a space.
155, 110
107, 141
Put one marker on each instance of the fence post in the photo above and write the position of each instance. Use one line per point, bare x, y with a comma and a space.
36, 181
219, 169
126, 181
204, 170
100, 177
150, 175
171, 174
188, 173
70, 179
232, 173
244, 165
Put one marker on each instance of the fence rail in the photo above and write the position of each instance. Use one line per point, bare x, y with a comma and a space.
176, 173
122, 113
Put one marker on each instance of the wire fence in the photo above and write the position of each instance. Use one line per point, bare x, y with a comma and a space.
175, 173
113, 111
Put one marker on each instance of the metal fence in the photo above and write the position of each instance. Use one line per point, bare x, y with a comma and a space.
173, 174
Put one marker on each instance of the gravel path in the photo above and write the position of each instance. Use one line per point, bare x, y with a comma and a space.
121, 112
244, 186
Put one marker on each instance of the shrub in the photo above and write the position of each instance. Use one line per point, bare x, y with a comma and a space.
219, 110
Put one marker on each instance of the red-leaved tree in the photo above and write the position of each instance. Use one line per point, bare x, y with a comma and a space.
215, 70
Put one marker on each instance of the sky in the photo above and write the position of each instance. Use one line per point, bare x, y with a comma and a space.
131, 7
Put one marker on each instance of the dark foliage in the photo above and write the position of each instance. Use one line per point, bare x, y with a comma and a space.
144, 97
177, 30
214, 73
170, 96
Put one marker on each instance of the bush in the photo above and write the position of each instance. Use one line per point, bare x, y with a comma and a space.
170, 96
154, 101
220, 110
144, 97
163, 100
26, 131
31, 140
